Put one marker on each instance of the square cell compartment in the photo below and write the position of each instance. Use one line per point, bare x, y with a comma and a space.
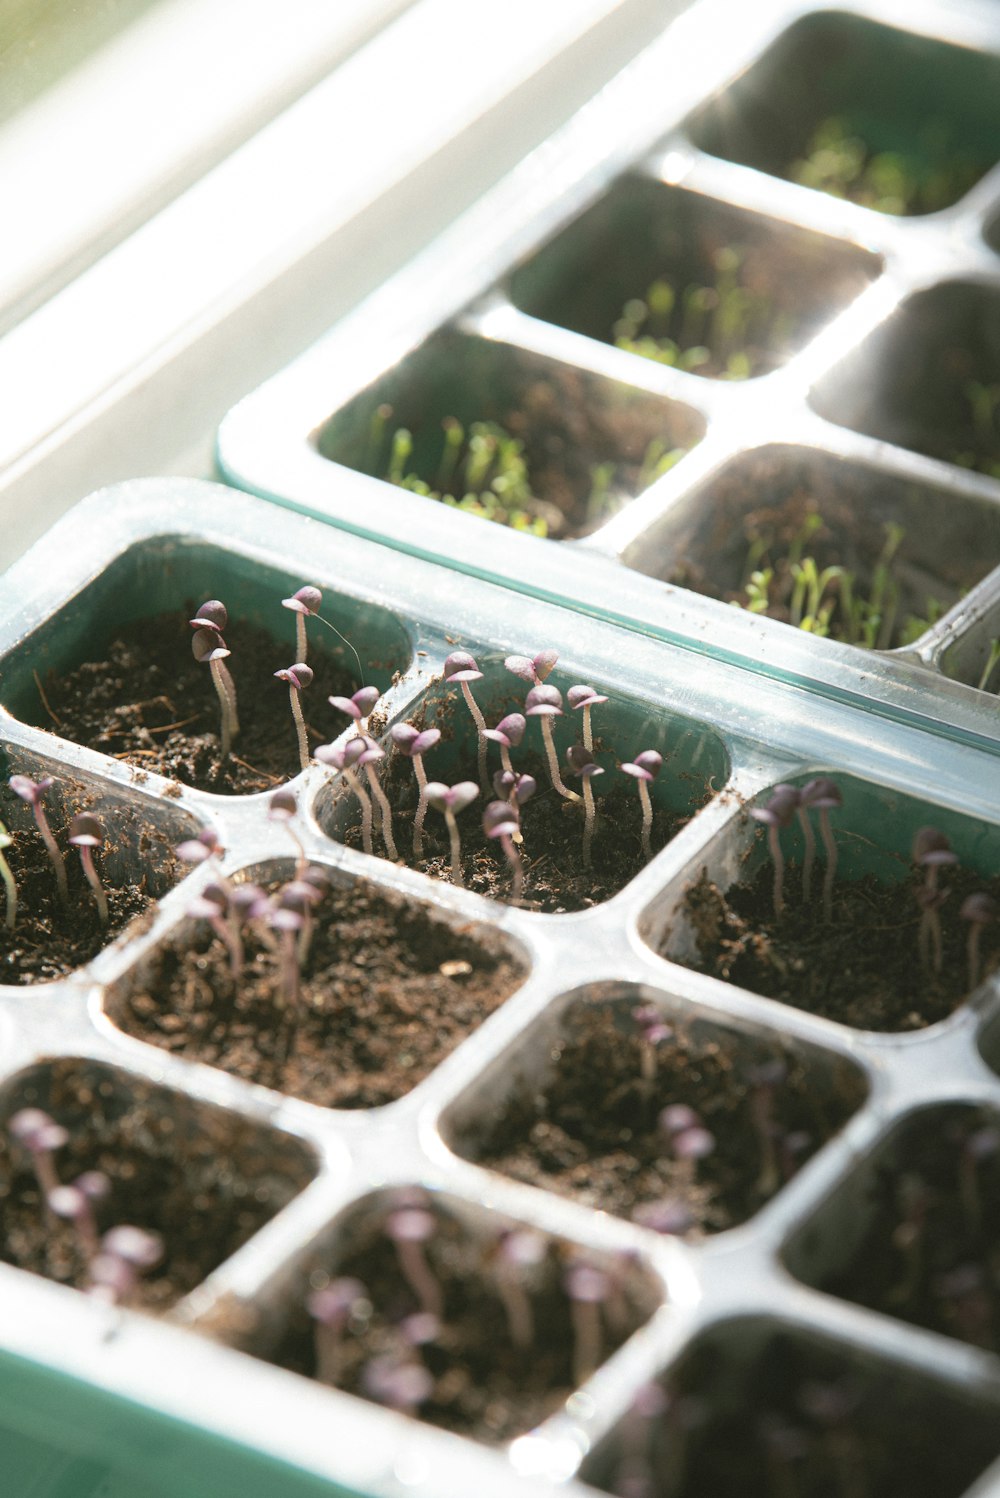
205, 1179
113, 669
901, 123
760, 1407
556, 878
926, 378
577, 1107
870, 966
586, 444
746, 290
778, 507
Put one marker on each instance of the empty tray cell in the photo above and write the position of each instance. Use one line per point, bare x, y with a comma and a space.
57, 920
832, 546
758, 1408
463, 1318
892, 121
914, 1231
113, 669
387, 987
883, 941
630, 1104
975, 657
555, 873
927, 378
201, 1178
684, 280
510, 436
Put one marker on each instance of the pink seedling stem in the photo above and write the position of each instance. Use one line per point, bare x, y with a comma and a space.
299, 676
41, 1136
653, 1032
644, 770
86, 834
508, 734
823, 794
581, 762
213, 906
778, 813
765, 1080
517, 1258
208, 646
582, 699
331, 1309
306, 603
931, 851
588, 1289
288, 921
414, 744
33, 791
126, 1253
545, 703
449, 800
76, 1204
461, 667
344, 757
409, 1229
283, 809
9, 882
501, 820
979, 911
372, 754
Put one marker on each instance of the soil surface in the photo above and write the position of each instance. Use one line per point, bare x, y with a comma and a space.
203, 1179
931, 1251
590, 1132
388, 990
862, 969
801, 1419
484, 1384
51, 939
150, 703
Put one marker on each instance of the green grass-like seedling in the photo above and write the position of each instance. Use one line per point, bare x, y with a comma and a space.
922, 178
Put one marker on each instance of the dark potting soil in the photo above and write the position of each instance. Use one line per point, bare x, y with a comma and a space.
930, 1253
556, 879
388, 991
590, 1130
799, 1418
51, 939
862, 969
150, 703
484, 1384
205, 1180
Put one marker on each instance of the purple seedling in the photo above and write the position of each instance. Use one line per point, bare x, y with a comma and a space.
687, 1138
979, 910
344, 757
671, 1217
644, 770
515, 788
9, 882
980, 1146
502, 820
545, 703
398, 1384
778, 813
653, 1032
39, 1134
518, 1256
931, 851
331, 1309
765, 1080
299, 676
508, 734
414, 743
357, 707
587, 1288
283, 809
532, 668
303, 894
305, 604
461, 667
449, 800
208, 647
581, 762
372, 754
126, 1253
824, 795
198, 850
288, 918
86, 834
213, 905
33, 791
409, 1228
76, 1204
581, 699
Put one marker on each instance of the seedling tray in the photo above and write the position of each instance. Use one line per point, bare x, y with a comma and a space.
876, 325
189, 1402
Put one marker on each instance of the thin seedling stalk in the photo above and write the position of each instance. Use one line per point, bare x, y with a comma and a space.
830, 847
647, 819
366, 808
385, 810
8, 880
418, 820
226, 692
589, 817
810, 852
480, 723
300, 722
778, 862
456, 846
93, 880
553, 761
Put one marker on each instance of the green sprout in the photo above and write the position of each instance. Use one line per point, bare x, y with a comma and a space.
991, 662
8, 878
719, 330
924, 178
